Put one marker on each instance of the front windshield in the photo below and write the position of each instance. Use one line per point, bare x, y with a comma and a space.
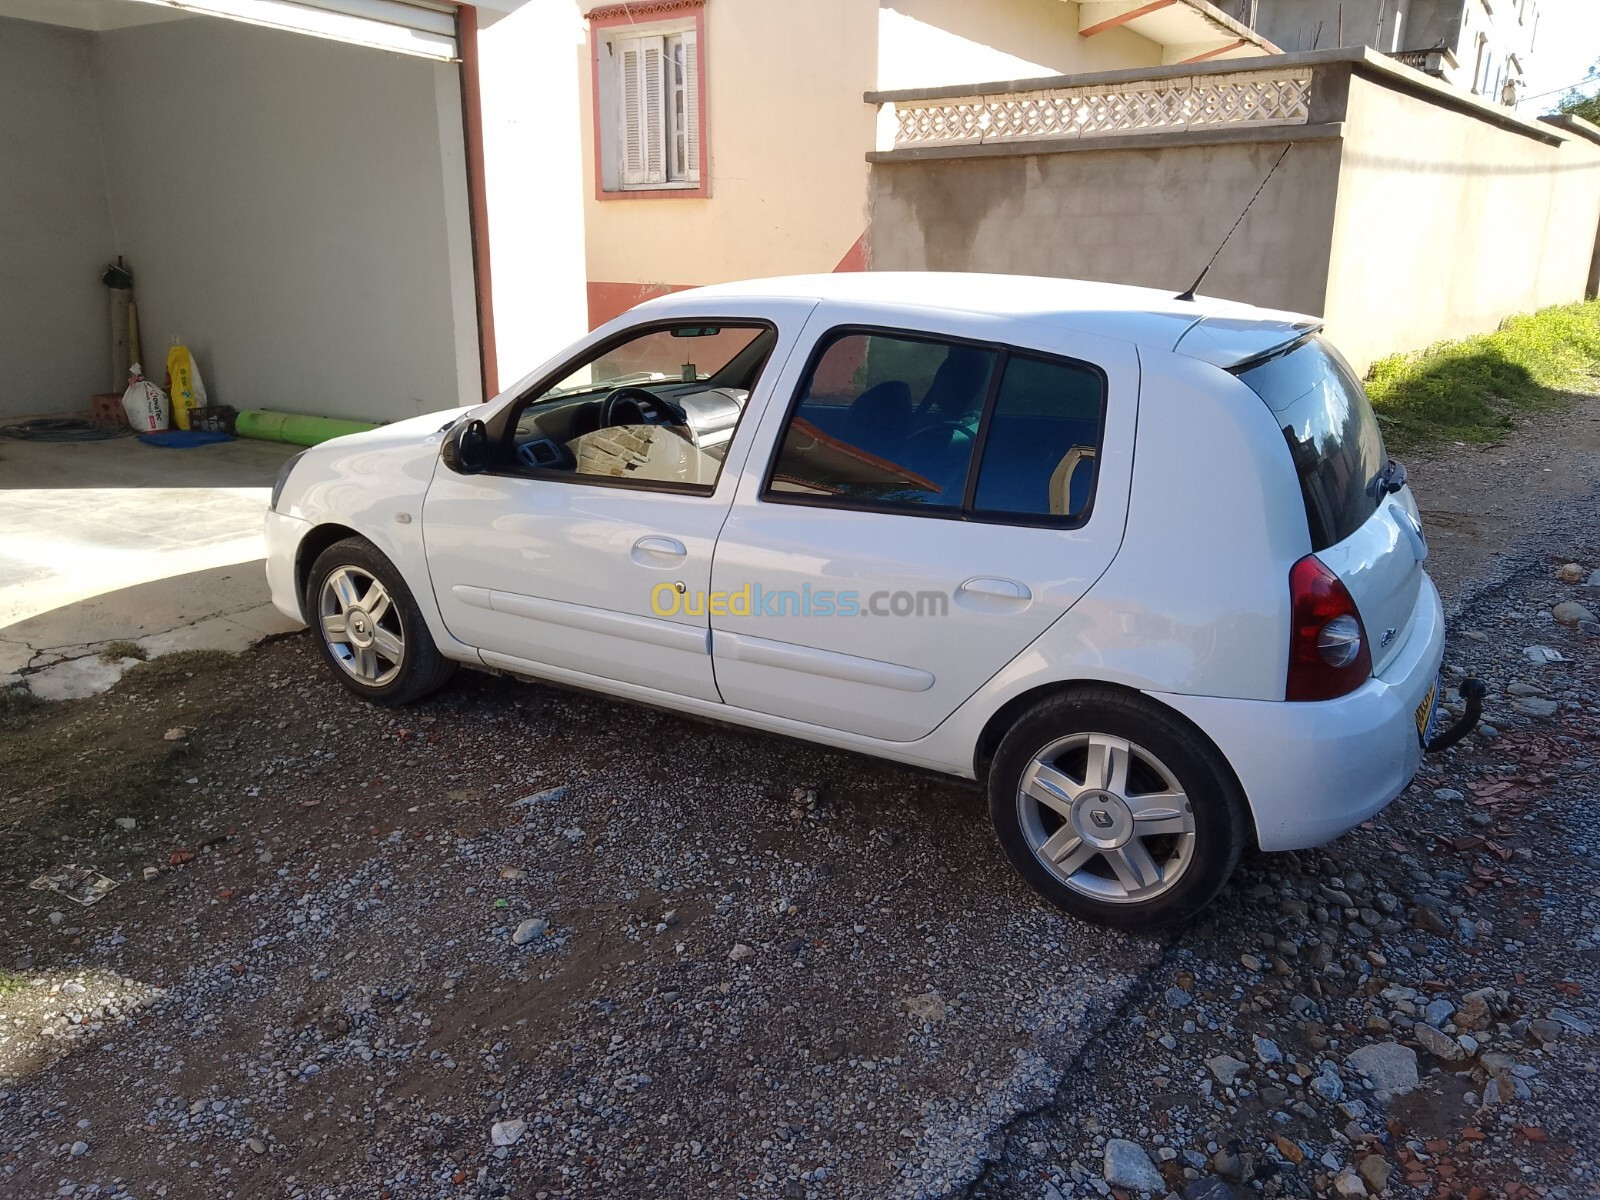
684, 354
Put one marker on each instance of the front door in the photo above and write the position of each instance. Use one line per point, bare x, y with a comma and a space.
934, 505
572, 556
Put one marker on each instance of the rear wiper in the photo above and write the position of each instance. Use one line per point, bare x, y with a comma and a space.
1389, 480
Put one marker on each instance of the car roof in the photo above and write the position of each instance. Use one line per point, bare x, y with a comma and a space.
1222, 332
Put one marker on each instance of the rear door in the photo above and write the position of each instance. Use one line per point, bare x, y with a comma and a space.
1368, 535
925, 500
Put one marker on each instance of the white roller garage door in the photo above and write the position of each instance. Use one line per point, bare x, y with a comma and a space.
404, 26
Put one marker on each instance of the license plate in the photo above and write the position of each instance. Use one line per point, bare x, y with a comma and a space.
1427, 711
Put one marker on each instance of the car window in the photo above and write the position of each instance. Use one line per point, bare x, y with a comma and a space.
1042, 443
1332, 435
656, 409
885, 421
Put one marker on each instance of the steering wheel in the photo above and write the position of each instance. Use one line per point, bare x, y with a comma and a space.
628, 402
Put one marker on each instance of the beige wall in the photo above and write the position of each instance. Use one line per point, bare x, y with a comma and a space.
1446, 223
788, 130
1142, 216
933, 43
787, 135
55, 225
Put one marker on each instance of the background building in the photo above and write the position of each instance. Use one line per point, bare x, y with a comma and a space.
1480, 45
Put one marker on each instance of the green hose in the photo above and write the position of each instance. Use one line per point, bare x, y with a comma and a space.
293, 429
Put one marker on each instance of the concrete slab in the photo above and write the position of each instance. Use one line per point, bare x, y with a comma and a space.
118, 541
81, 519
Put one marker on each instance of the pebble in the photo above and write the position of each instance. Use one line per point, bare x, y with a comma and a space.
1570, 573
1375, 1170
1390, 1067
1570, 612
79, 1149
1267, 1050
1177, 997
1530, 706
533, 927
1226, 1068
1546, 1031
928, 1007
256, 1145
1128, 1166
1438, 1043
740, 952
508, 1133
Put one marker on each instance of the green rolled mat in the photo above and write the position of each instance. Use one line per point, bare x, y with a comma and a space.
293, 429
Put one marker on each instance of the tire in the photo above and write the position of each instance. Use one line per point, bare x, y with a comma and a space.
368, 626
1176, 800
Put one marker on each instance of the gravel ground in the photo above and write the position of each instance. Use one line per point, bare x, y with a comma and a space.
518, 941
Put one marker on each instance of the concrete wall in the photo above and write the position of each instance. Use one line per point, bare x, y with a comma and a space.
1141, 216
1446, 224
931, 43
296, 210
1407, 214
55, 224
532, 145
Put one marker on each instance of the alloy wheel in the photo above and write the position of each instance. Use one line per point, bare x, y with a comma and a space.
1106, 817
361, 625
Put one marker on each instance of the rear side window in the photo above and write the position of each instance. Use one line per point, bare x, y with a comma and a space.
1043, 438
886, 422
1332, 435
944, 428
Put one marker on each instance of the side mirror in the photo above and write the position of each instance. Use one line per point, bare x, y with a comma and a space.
466, 448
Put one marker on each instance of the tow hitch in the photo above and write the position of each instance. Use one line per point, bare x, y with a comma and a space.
1472, 691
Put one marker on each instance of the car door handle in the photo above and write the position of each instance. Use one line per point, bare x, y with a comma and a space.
995, 589
658, 551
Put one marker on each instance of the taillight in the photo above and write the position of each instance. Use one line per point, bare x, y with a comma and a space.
1328, 655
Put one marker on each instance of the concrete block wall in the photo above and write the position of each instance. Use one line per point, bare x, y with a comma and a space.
1405, 213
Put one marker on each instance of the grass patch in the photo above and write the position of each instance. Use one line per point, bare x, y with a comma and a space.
116, 651
10, 982
15, 705
1472, 390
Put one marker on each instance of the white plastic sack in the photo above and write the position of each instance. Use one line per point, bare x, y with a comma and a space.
146, 405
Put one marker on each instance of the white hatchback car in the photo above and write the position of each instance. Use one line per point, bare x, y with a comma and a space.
1140, 563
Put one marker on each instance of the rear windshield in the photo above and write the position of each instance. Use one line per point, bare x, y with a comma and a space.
1332, 435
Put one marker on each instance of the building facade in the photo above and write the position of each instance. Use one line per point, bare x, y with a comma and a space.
727, 139
1482, 46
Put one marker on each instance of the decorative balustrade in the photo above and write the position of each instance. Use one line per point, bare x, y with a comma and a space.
1241, 99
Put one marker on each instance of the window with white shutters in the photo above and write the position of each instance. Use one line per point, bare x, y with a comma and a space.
655, 102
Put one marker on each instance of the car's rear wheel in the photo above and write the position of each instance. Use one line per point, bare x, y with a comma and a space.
369, 628
1115, 810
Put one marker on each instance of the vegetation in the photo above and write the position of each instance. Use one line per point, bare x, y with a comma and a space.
116, 651
15, 704
1582, 103
1471, 390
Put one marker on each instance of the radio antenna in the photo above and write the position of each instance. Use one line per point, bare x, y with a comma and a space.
1195, 286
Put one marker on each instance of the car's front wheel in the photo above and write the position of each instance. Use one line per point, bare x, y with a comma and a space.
1115, 810
369, 628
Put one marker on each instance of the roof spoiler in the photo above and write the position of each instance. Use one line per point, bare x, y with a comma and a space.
1236, 343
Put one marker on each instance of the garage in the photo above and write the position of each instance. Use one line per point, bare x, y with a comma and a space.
287, 182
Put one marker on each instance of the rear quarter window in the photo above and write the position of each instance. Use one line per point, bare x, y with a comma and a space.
1332, 435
